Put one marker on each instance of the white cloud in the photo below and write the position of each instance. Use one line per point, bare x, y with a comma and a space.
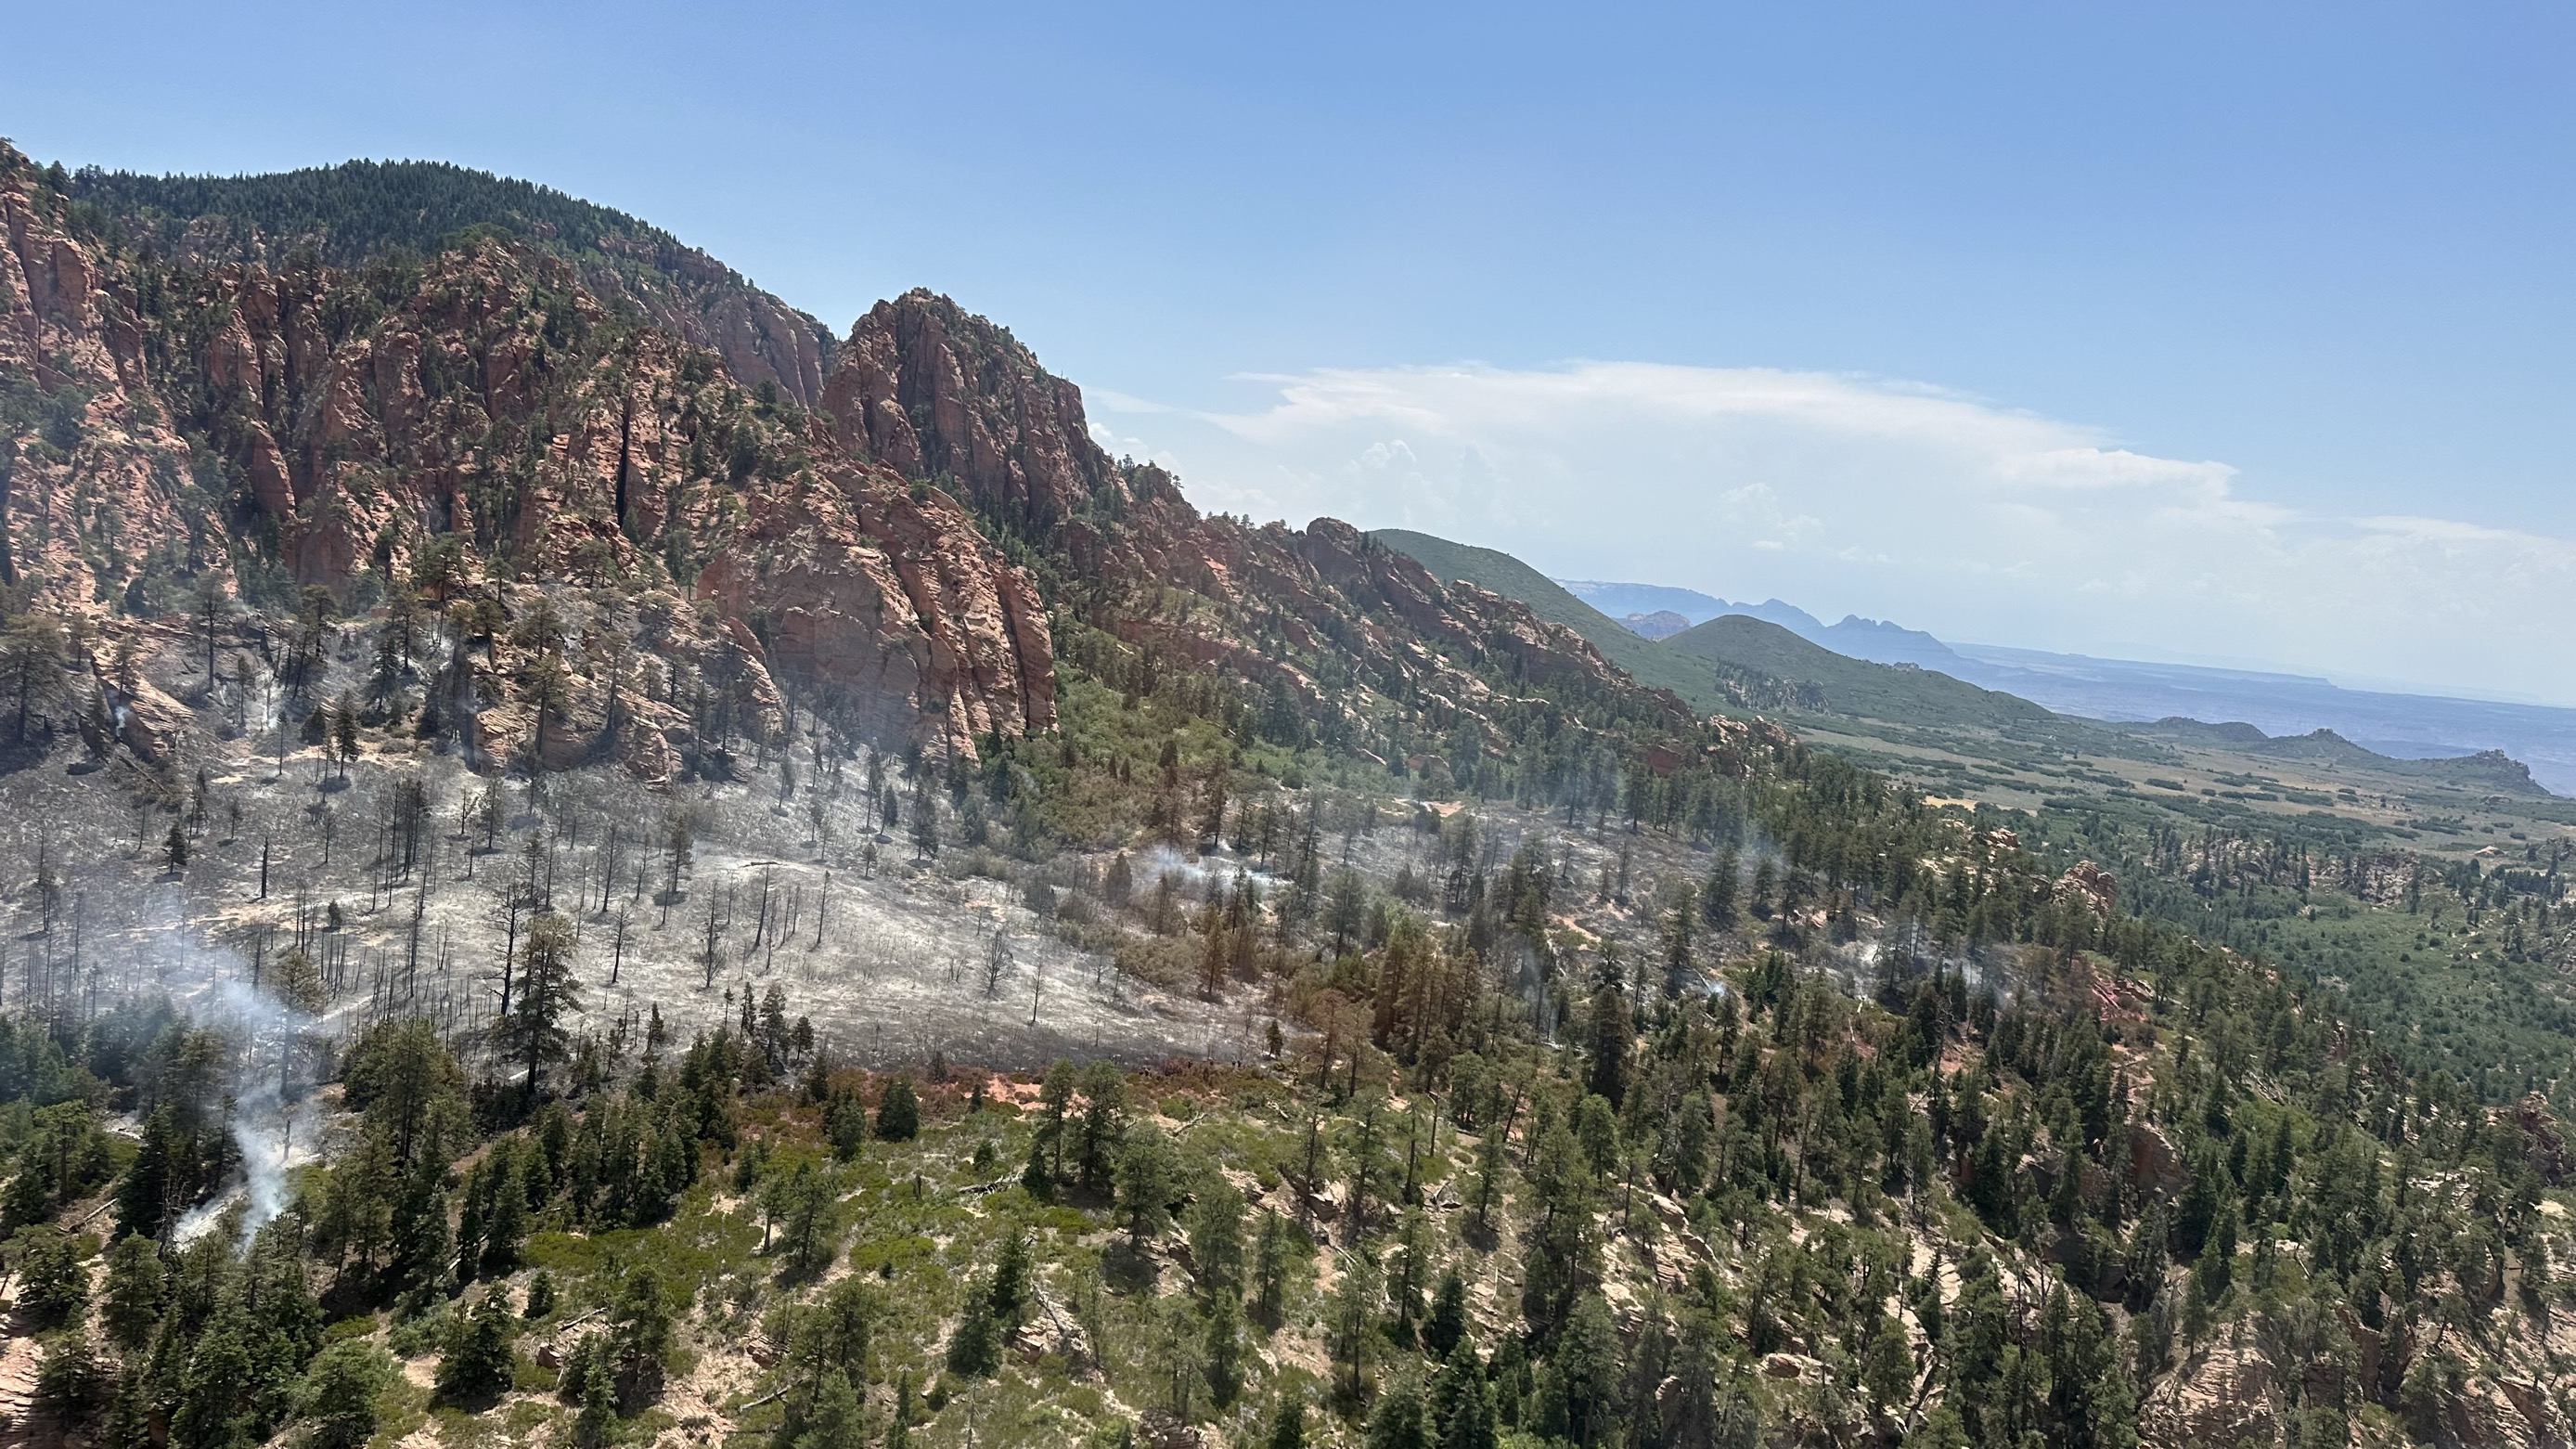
1899, 500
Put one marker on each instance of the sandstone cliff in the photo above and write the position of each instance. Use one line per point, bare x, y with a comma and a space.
353, 214
488, 419
567, 397
942, 395
102, 479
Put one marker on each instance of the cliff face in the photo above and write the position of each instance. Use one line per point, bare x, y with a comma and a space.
897, 602
627, 417
632, 450
939, 394
486, 404
702, 301
491, 417
935, 392
91, 473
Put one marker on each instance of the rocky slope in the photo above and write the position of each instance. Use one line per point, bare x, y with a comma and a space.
478, 426
94, 465
350, 214
559, 398
951, 398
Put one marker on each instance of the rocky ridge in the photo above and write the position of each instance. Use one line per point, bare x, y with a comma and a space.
511, 412
486, 425
950, 398
348, 215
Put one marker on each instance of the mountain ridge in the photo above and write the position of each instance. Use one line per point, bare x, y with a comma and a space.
351, 213
1735, 660
485, 421
1508, 576
1539, 1056
1879, 641
2144, 697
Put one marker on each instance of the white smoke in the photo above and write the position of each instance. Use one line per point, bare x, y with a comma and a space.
271, 1135
1195, 875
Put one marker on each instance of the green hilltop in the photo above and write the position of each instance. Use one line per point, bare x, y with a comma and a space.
1500, 573
1734, 660
356, 209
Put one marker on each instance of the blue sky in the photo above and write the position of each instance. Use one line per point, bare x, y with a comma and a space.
2194, 331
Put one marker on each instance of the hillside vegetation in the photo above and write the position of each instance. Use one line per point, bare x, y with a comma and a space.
562, 890
1735, 661
1505, 575
1763, 657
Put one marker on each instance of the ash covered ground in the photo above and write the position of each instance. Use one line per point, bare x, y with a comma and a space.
893, 956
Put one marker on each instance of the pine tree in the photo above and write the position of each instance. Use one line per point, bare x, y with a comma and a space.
1396, 1421
1104, 1097
546, 686
596, 1424
31, 651
344, 732
337, 1397
1270, 1267
505, 1216
805, 1204
1887, 1365
476, 1367
899, 1111
640, 1337
133, 1291
1147, 1183
419, 1231
70, 1381
1351, 1323
1446, 1326
143, 1198
548, 993
1008, 1291
1055, 1096
29, 1196
1489, 1175
1717, 897
1216, 1236
53, 1285
1579, 1392
1612, 1032
1223, 1349
1462, 1403
835, 1419
1679, 968
975, 1347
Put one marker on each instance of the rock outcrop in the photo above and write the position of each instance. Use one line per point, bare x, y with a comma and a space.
935, 392
946, 397
894, 603
704, 302
626, 415
505, 416
102, 481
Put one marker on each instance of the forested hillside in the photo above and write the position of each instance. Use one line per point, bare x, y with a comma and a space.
363, 213
1509, 577
559, 891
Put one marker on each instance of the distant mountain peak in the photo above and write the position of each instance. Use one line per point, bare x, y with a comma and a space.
1661, 624
1619, 600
